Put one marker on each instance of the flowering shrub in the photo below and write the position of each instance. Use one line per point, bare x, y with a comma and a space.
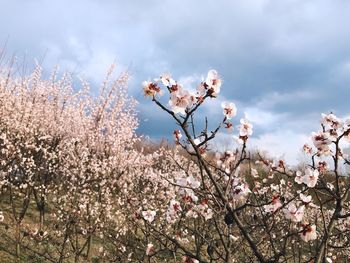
77, 184
63, 154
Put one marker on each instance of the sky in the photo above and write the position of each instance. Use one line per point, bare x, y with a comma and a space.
282, 62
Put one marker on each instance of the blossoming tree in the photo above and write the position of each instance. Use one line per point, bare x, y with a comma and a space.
77, 184
231, 207
64, 156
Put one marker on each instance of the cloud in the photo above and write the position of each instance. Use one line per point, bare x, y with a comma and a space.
263, 118
281, 144
283, 62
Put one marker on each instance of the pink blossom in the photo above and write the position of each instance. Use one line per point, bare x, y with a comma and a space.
347, 123
273, 206
192, 182
205, 211
307, 149
189, 182
229, 109
177, 135
180, 101
321, 140
213, 83
294, 213
305, 198
149, 249
240, 190
308, 233
167, 80
245, 128
298, 177
331, 120
310, 178
173, 209
149, 215
187, 259
150, 89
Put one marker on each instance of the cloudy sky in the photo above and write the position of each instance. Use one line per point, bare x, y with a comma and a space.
282, 62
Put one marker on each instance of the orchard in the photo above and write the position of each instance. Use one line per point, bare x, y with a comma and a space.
77, 184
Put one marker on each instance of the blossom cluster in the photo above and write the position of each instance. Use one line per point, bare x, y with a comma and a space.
259, 198
77, 182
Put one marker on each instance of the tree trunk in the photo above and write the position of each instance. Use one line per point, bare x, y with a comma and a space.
18, 240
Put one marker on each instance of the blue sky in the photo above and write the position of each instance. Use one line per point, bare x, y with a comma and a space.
283, 62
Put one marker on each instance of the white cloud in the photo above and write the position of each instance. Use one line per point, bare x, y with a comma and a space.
279, 56
270, 100
284, 144
279, 144
263, 118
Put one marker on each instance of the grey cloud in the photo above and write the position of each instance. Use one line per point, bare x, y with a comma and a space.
269, 52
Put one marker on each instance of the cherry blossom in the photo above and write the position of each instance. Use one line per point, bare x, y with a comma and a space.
331, 120
221, 181
240, 190
224, 160
245, 128
274, 205
173, 209
205, 211
213, 83
177, 135
149, 215
322, 166
307, 149
294, 213
310, 178
321, 140
187, 259
229, 109
189, 182
298, 177
167, 80
306, 199
150, 88
95, 183
180, 101
308, 233
149, 249
347, 122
